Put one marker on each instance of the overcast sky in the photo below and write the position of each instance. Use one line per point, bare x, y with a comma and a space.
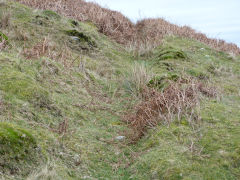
216, 18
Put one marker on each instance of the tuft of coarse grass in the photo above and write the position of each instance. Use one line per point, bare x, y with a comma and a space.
139, 76
47, 171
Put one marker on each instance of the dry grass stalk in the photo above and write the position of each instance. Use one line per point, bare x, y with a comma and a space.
5, 20
1, 105
20, 35
63, 126
147, 33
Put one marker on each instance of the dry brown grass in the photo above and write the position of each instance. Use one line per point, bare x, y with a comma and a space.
40, 49
178, 100
153, 30
146, 34
46, 48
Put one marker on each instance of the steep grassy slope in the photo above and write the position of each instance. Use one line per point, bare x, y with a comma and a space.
210, 148
65, 88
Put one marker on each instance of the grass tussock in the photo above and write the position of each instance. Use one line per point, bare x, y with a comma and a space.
45, 172
138, 78
179, 100
140, 37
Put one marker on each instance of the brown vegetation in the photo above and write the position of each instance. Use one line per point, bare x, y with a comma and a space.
39, 50
49, 49
110, 23
178, 100
153, 31
147, 32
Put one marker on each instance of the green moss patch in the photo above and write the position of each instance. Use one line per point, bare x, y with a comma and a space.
171, 53
80, 40
19, 151
161, 82
3, 37
17, 84
42, 20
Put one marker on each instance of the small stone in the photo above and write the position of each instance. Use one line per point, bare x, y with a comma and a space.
120, 138
76, 157
75, 38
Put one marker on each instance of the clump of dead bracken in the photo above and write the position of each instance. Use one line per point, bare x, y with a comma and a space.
179, 100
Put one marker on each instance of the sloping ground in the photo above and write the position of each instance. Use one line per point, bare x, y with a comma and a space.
65, 90
141, 37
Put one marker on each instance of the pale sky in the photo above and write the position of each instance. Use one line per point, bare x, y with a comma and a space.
216, 18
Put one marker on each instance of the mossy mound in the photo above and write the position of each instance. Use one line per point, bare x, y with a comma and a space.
42, 20
81, 41
171, 53
51, 14
17, 84
161, 82
19, 151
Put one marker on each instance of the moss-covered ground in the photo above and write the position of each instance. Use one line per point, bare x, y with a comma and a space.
64, 89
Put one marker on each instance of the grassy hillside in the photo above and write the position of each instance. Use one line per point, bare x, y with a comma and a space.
68, 92
140, 37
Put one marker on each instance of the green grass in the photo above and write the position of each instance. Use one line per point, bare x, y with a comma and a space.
91, 88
